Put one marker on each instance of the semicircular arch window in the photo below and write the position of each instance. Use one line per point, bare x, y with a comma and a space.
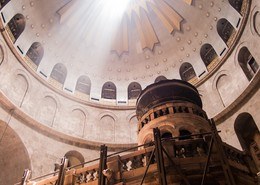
160, 78
184, 134
236, 4
3, 3
109, 91
75, 158
16, 26
208, 55
83, 85
35, 53
134, 89
248, 135
225, 30
59, 73
187, 72
247, 62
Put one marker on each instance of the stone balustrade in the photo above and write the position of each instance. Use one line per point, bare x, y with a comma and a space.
170, 109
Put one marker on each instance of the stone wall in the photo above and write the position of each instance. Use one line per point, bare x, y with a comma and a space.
60, 123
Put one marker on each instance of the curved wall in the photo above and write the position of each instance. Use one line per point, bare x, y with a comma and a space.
58, 124
14, 157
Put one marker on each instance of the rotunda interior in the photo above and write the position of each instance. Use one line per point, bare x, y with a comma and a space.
71, 72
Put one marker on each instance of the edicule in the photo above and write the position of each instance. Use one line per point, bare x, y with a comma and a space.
177, 144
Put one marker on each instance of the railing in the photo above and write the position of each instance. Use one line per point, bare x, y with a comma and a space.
171, 108
133, 165
236, 158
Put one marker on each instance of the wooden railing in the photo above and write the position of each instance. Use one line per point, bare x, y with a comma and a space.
191, 153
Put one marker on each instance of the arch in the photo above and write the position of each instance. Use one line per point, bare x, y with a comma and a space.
107, 113
166, 135
208, 54
16, 26
248, 136
3, 3
134, 89
109, 91
255, 21
236, 4
19, 90
59, 73
83, 85
75, 123
160, 78
187, 72
225, 29
47, 110
246, 129
13, 154
184, 134
2, 55
247, 62
107, 128
223, 88
148, 139
133, 123
75, 158
35, 53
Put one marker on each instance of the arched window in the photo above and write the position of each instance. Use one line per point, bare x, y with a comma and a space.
134, 89
248, 136
225, 30
59, 73
16, 26
3, 3
166, 135
236, 4
83, 85
185, 134
109, 91
35, 53
247, 62
148, 141
187, 72
160, 78
208, 54
75, 158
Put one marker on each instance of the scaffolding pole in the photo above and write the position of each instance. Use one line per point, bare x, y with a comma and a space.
102, 165
159, 156
62, 171
223, 158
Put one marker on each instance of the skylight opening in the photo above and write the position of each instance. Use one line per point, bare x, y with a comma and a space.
114, 8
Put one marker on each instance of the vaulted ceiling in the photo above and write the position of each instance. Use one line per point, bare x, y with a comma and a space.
143, 40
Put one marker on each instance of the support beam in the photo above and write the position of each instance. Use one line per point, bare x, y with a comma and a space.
26, 176
207, 163
102, 165
62, 171
146, 170
222, 156
159, 156
178, 169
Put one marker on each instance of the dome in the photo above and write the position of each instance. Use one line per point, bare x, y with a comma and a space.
71, 71
78, 47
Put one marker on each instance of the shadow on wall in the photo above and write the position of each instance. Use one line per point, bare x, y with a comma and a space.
248, 136
13, 155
